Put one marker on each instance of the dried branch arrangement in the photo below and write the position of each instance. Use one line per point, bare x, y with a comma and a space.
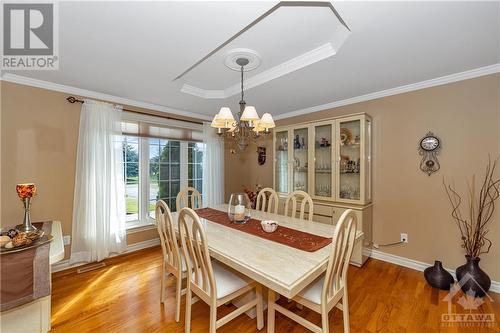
480, 210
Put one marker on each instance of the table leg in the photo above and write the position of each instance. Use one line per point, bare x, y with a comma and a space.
271, 298
252, 313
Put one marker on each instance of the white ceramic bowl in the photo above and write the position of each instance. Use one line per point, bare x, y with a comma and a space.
269, 225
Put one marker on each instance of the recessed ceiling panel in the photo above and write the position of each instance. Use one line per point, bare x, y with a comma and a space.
286, 40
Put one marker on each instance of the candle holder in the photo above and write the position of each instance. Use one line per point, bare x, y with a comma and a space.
25, 193
239, 208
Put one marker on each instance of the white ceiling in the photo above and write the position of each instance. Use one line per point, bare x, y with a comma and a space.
135, 50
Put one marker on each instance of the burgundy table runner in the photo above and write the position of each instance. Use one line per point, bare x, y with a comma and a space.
25, 275
294, 238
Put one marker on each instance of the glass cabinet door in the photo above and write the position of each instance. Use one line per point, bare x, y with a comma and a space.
281, 161
368, 157
350, 159
300, 159
323, 153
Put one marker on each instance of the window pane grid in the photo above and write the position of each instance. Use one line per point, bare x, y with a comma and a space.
195, 165
163, 163
164, 173
130, 148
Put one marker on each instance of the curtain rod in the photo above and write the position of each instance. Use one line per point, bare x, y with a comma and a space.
73, 100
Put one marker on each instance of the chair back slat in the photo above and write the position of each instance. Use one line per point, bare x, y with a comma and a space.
340, 255
188, 197
195, 249
305, 199
267, 201
168, 239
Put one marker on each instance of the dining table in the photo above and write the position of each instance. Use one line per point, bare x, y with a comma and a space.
279, 267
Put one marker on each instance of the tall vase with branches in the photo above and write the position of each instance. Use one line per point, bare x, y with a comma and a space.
473, 221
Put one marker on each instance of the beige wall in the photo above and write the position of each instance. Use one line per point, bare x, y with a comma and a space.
244, 170
465, 115
39, 134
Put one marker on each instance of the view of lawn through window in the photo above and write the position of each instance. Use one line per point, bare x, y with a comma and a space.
163, 179
131, 173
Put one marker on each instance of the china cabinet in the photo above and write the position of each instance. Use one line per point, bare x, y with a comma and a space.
331, 160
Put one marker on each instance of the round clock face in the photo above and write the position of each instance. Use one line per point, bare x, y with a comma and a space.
429, 143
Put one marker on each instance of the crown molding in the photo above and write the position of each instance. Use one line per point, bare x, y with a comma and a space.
470, 74
14, 78
199, 92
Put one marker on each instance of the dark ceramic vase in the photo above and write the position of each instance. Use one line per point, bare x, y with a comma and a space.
438, 277
479, 282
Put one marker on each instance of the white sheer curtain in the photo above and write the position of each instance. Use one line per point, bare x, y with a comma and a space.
213, 167
99, 199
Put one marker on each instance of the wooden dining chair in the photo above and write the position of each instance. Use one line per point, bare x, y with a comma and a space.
267, 201
330, 289
211, 281
173, 262
291, 205
188, 197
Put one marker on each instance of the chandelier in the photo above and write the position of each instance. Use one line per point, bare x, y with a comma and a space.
247, 126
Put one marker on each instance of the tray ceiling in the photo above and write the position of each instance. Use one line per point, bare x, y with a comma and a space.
135, 50
296, 37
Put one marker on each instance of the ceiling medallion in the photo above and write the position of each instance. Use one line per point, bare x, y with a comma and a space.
247, 126
232, 56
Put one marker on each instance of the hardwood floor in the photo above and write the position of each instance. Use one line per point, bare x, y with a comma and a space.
124, 296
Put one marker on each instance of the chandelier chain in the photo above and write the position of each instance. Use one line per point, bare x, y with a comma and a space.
242, 91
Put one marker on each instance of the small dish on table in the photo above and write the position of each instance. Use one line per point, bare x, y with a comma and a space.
269, 225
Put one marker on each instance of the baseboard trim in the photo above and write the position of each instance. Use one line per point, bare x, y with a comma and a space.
64, 264
414, 264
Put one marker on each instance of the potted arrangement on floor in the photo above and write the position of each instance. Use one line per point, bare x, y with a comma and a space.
473, 226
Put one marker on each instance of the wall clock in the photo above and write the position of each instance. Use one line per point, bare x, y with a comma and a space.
428, 148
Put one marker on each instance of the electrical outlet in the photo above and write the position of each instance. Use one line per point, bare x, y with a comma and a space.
67, 240
404, 238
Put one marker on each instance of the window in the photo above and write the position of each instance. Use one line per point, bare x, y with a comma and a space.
131, 174
157, 169
164, 172
195, 165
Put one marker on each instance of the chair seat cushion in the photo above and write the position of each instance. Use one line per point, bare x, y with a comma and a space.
313, 291
226, 280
